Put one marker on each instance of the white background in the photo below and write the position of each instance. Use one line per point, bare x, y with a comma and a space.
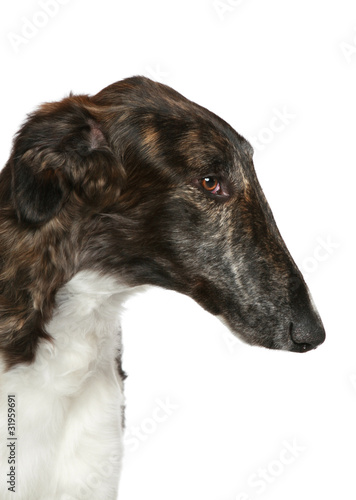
233, 410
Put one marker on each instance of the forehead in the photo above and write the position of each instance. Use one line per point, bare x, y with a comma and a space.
191, 139
162, 131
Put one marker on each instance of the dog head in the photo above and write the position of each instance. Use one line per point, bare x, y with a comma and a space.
164, 192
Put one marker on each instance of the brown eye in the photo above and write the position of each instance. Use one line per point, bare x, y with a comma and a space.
211, 184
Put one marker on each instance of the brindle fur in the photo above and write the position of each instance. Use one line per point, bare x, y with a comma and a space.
111, 183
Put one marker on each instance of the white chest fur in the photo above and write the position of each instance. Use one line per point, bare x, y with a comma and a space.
69, 402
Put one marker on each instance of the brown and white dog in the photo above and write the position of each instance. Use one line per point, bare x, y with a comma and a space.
134, 186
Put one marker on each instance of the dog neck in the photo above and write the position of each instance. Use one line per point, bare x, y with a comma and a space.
85, 329
70, 397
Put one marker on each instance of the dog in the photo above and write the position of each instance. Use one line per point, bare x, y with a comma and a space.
101, 195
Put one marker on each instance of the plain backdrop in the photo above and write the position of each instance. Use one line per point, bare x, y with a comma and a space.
207, 416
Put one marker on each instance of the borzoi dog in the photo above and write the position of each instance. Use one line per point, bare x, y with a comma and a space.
134, 186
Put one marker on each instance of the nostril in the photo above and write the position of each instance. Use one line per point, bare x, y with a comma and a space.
306, 347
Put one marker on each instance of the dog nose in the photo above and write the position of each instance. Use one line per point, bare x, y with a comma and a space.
306, 329
306, 335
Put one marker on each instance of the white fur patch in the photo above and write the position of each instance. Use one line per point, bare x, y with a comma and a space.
69, 401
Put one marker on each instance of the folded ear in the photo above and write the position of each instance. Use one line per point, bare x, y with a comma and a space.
60, 149
38, 193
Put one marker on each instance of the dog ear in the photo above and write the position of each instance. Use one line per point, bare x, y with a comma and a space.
60, 149
38, 194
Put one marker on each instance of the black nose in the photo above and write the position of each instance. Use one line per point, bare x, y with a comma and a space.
306, 329
306, 336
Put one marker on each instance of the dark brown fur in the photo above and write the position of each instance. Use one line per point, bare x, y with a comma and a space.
112, 182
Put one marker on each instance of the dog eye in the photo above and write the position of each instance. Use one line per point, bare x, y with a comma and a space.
211, 184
